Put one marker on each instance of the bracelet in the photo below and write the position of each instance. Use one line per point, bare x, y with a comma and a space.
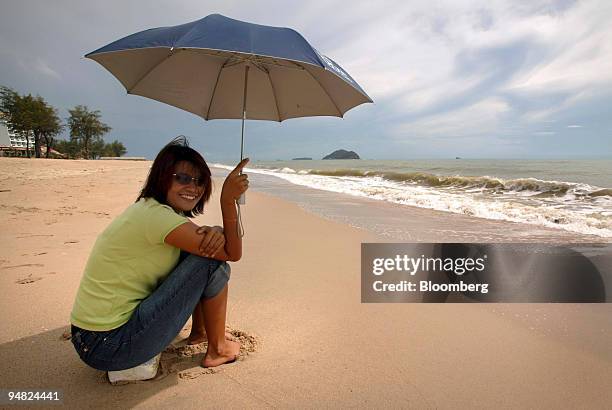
230, 220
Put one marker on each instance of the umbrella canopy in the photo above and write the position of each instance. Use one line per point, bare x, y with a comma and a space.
208, 67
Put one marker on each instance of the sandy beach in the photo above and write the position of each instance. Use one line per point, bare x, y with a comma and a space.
295, 304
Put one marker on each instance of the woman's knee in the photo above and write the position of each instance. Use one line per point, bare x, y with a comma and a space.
202, 261
210, 265
217, 280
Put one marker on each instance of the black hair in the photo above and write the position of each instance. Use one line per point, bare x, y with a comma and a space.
160, 176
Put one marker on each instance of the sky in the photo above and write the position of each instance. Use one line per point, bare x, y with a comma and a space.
473, 79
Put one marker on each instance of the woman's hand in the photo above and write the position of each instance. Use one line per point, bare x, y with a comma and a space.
235, 184
213, 240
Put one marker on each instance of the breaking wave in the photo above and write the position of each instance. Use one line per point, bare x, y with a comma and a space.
571, 206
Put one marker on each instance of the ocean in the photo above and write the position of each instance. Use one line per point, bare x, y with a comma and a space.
573, 195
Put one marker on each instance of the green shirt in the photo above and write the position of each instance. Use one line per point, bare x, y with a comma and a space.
127, 263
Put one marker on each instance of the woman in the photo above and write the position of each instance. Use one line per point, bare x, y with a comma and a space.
135, 296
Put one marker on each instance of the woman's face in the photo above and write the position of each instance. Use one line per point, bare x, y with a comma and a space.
181, 196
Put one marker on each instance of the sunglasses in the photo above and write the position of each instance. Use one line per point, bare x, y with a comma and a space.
185, 179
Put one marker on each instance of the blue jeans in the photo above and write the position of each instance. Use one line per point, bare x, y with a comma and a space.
157, 319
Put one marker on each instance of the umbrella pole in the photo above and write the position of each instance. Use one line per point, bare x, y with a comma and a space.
242, 199
244, 98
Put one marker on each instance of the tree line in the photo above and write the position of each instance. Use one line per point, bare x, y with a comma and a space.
27, 115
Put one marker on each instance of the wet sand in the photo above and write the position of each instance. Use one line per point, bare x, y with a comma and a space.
295, 297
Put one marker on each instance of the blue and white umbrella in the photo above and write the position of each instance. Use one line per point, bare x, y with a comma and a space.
202, 67
221, 68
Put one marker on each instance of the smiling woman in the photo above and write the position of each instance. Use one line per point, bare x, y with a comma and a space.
182, 196
137, 292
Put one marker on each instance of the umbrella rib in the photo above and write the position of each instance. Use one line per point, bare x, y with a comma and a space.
212, 96
274, 95
129, 91
325, 91
261, 66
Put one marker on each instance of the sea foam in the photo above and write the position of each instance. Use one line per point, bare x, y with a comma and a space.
575, 207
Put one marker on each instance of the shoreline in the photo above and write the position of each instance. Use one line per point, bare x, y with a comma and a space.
297, 291
408, 223
537, 193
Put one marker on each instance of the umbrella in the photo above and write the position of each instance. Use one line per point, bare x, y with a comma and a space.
221, 68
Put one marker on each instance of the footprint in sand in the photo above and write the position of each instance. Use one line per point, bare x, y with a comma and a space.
29, 265
32, 235
196, 372
27, 280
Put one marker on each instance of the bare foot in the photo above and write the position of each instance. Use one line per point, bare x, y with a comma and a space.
226, 353
197, 338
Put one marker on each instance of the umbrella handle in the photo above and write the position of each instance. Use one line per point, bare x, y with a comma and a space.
242, 199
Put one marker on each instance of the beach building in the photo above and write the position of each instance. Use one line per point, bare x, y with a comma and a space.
12, 144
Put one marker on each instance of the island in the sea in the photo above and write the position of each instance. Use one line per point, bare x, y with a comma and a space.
301, 159
342, 154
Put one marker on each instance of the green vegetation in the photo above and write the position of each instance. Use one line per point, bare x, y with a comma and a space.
114, 149
86, 130
74, 149
33, 116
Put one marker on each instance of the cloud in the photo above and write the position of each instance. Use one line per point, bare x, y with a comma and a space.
479, 71
42, 67
480, 118
538, 58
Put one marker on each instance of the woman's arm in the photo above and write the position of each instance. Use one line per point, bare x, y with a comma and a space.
188, 236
